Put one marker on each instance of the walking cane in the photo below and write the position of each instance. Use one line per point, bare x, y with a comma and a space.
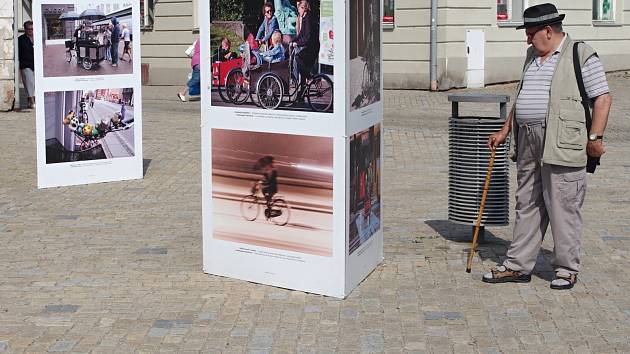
483, 204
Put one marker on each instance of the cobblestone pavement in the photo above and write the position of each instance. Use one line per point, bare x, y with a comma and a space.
116, 267
58, 65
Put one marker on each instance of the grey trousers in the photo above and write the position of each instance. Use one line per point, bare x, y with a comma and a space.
545, 194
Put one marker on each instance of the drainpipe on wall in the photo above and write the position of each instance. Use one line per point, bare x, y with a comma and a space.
433, 46
16, 62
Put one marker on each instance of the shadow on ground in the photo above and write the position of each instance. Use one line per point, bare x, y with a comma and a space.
489, 247
145, 166
492, 247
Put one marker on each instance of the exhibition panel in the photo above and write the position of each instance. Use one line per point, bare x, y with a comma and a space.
87, 85
291, 197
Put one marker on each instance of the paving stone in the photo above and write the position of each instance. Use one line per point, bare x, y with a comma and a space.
62, 308
156, 332
62, 346
151, 250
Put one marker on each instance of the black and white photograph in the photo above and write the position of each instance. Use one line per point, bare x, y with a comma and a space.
365, 54
89, 125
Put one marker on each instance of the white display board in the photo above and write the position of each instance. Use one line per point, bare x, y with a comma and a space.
88, 110
291, 187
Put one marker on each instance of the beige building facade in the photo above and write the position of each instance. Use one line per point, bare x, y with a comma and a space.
604, 24
407, 39
485, 28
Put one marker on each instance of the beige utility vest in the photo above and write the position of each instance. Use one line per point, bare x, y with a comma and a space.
565, 132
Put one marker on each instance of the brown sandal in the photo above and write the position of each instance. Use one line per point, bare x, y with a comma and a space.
501, 274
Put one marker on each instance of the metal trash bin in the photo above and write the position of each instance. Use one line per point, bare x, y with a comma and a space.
468, 159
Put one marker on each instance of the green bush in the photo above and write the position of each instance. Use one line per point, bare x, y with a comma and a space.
217, 33
226, 10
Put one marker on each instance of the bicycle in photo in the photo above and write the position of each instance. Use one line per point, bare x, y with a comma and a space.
272, 84
277, 210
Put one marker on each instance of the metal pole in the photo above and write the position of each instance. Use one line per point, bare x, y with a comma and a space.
16, 58
433, 64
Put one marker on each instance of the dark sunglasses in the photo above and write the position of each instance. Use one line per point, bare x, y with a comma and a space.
268, 11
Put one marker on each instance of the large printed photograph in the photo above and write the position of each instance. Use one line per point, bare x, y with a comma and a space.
365, 188
275, 55
87, 38
89, 125
365, 53
273, 190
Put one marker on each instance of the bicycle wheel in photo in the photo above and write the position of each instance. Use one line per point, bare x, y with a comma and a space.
235, 88
320, 93
281, 212
222, 94
269, 91
250, 207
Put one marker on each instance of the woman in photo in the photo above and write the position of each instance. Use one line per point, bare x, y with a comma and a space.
126, 37
305, 44
268, 26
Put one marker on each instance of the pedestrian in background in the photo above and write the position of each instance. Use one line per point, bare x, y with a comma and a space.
126, 37
107, 37
115, 41
552, 144
193, 88
27, 62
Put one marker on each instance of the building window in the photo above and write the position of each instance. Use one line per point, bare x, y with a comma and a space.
510, 11
388, 14
54, 27
603, 10
147, 14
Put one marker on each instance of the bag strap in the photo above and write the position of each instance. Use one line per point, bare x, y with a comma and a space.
591, 162
580, 81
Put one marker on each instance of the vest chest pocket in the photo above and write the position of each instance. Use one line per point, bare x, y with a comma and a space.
571, 126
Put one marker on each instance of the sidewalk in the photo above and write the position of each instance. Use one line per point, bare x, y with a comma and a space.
116, 267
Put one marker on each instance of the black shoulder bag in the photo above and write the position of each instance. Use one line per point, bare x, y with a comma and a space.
591, 162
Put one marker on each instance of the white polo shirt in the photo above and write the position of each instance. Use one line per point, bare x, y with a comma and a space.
533, 99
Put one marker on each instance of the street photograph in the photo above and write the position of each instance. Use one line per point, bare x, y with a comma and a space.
89, 125
85, 39
365, 188
273, 190
365, 53
272, 55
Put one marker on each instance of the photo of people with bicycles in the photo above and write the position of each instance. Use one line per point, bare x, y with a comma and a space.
278, 62
365, 189
89, 125
273, 190
87, 38
365, 54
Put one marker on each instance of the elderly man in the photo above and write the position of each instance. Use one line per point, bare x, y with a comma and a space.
552, 144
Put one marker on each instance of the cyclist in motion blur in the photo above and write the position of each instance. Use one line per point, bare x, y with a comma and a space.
269, 183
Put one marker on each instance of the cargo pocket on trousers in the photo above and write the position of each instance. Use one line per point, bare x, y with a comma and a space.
572, 185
